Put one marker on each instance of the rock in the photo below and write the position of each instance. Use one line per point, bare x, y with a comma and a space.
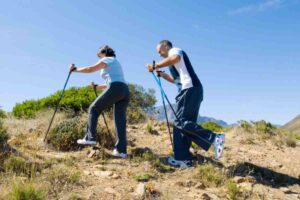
140, 189
103, 173
205, 196
200, 186
285, 189
92, 153
239, 179
247, 187
87, 173
112, 191
115, 176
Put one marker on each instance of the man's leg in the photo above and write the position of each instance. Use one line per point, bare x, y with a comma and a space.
188, 103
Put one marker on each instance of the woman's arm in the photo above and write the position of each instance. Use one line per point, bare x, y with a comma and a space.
89, 69
98, 87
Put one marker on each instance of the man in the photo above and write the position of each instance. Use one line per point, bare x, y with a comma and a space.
188, 103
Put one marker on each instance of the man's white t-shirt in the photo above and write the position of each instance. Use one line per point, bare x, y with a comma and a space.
188, 78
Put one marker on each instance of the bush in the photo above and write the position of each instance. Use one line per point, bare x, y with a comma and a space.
3, 135
20, 166
214, 127
26, 191
62, 177
64, 136
27, 109
246, 126
233, 190
264, 127
79, 99
211, 176
2, 114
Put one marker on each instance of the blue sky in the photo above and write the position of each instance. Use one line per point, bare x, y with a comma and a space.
246, 53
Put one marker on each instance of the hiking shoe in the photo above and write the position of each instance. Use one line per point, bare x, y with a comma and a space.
84, 141
219, 145
179, 163
116, 153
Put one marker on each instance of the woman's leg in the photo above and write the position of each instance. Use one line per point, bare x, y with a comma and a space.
102, 102
120, 109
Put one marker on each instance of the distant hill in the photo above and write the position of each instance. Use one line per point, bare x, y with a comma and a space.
294, 125
158, 114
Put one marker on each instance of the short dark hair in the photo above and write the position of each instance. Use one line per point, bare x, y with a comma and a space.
107, 51
166, 42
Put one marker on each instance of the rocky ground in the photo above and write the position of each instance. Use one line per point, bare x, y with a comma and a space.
251, 168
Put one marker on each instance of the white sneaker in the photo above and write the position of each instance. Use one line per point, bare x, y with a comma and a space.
86, 142
179, 163
116, 153
219, 145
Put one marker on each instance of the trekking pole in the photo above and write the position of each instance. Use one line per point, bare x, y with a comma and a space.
164, 104
192, 134
60, 97
95, 91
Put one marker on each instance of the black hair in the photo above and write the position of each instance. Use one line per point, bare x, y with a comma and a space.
166, 43
107, 51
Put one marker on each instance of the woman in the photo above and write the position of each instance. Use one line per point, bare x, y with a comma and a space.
116, 93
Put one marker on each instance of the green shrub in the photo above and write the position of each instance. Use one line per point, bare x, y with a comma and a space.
144, 177
246, 126
161, 167
291, 141
141, 154
27, 109
264, 127
64, 136
136, 115
26, 191
211, 176
74, 98
233, 190
19, 166
3, 135
79, 99
61, 177
214, 127
2, 114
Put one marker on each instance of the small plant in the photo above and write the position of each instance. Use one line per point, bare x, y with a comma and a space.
19, 166
246, 126
214, 127
150, 128
142, 154
211, 176
264, 127
145, 177
161, 167
26, 191
233, 190
61, 177
291, 141
2, 113
3, 135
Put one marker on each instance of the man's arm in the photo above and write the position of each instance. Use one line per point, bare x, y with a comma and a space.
166, 76
171, 60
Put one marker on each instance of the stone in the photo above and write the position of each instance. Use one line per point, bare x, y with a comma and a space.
103, 173
140, 189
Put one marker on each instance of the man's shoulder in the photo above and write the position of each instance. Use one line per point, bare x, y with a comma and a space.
175, 51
